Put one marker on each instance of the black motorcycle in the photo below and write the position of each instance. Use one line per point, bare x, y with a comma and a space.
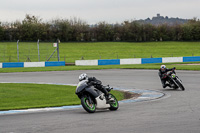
92, 98
174, 81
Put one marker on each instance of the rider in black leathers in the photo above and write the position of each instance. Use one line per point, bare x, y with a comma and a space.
92, 81
163, 75
97, 84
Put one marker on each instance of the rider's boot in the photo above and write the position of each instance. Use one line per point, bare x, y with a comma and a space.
164, 86
108, 99
169, 85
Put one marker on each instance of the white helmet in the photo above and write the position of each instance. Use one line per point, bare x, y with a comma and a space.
83, 76
163, 68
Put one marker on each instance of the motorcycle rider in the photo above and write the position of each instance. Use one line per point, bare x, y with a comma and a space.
92, 81
163, 75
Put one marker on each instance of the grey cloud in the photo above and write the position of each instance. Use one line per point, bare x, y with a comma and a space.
99, 10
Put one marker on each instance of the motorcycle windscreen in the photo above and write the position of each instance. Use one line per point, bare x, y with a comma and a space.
81, 85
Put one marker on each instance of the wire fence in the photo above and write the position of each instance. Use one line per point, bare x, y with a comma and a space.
45, 51
27, 52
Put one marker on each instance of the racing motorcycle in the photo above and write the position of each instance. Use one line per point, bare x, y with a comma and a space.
92, 98
174, 81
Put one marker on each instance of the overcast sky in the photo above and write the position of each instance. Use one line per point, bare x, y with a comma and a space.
94, 11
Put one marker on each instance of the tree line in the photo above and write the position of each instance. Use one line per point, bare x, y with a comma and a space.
33, 28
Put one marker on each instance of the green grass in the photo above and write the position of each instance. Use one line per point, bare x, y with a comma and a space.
24, 96
98, 50
179, 66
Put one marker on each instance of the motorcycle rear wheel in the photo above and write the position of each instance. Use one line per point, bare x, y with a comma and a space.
115, 105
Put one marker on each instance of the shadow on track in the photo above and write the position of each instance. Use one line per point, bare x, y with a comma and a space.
169, 89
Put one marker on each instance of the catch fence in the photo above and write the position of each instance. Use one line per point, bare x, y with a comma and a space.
29, 51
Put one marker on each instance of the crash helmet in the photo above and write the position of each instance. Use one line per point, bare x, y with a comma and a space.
162, 68
83, 76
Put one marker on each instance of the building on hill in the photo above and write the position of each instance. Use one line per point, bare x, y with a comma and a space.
159, 20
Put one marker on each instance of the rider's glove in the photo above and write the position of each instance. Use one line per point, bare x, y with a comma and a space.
164, 76
170, 73
91, 83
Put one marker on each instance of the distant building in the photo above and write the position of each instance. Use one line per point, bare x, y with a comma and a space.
159, 20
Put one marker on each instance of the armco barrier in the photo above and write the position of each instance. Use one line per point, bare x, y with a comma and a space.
172, 59
55, 63
12, 64
137, 61
191, 59
103, 62
34, 64
151, 60
130, 61
86, 62
31, 64
109, 62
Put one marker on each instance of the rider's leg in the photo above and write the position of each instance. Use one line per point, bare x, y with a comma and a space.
164, 84
107, 95
163, 81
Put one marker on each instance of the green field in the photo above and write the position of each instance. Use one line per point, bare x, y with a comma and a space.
97, 50
24, 96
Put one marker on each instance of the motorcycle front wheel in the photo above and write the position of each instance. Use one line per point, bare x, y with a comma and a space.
89, 107
114, 105
180, 85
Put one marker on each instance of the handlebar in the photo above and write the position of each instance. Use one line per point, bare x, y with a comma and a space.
108, 88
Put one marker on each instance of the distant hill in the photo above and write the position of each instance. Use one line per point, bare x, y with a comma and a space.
159, 20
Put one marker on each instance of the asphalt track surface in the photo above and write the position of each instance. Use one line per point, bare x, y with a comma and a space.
177, 112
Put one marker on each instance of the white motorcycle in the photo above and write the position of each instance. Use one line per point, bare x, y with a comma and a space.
92, 98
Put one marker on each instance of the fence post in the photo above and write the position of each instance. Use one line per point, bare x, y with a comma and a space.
58, 41
9, 58
18, 50
38, 50
4, 53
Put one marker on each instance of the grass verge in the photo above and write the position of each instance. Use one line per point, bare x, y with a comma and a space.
24, 96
